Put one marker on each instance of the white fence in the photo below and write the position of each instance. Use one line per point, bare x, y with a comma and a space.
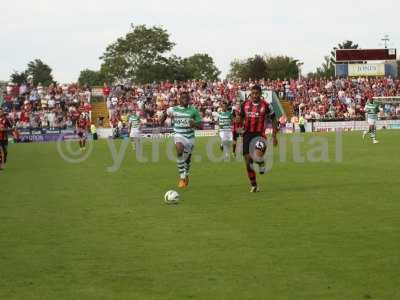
310, 127
353, 125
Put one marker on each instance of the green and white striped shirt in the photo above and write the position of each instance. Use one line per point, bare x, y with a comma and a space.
371, 110
225, 121
134, 121
181, 117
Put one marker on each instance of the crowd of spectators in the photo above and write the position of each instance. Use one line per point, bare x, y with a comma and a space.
343, 99
335, 99
59, 106
51, 108
152, 100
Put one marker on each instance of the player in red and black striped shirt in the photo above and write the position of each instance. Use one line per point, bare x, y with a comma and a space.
255, 112
5, 128
237, 128
82, 126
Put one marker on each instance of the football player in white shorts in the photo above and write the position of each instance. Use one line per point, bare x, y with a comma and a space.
225, 119
134, 123
371, 115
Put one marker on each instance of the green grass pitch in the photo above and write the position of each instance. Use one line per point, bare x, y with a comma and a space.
319, 230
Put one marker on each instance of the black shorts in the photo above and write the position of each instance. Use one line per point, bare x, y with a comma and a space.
82, 134
3, 145
3, 150
235, 135
253, 140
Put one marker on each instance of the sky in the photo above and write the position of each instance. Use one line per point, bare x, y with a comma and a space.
71, 35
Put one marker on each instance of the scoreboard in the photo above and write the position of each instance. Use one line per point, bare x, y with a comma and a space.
349, 55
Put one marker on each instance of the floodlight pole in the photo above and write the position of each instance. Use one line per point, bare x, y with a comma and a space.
386, 40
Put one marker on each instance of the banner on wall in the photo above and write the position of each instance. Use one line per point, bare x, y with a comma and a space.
356, 70
49, 137
354, 125
64, 135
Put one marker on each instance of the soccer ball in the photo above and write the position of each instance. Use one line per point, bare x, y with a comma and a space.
171, 197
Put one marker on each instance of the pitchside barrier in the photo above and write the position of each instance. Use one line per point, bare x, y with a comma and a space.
104, 133
289, 128
351, 125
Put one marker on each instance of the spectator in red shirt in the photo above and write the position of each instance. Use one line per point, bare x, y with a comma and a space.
106, 91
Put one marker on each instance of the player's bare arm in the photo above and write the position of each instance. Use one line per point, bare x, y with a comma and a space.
163, 117
194, 124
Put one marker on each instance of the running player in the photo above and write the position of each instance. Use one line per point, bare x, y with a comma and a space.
82, 126
254, 114
371, 115
225, 129
5, 128
185, 119
134, 123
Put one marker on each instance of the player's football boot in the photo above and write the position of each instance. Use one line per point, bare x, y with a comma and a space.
182, 183
187, 181
255, 189
375, 142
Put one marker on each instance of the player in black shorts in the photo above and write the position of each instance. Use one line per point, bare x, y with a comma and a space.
254, 113
237, 129
5, 128
82, 126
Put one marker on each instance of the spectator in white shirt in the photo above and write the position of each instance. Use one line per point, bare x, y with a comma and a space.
51, 103
51, 117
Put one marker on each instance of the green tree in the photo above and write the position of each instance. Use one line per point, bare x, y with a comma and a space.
176, 69
236, 71
171, 68
201, 67
91, 78
40, 72
19, 77
258, 67
131, 56
281, 67
251, 68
